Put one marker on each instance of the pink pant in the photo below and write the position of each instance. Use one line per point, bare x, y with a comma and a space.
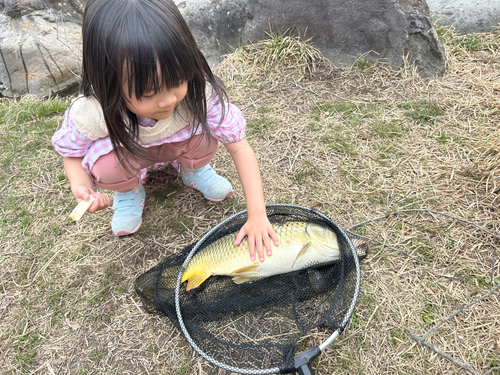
195, 153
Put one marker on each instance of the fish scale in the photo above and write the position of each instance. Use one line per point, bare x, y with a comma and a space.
301, 245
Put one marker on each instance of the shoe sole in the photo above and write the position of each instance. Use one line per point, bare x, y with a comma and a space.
121, 233
207, 198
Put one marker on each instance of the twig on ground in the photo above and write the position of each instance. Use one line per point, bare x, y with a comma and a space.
380, 243
464, 307
422, 210
422, 340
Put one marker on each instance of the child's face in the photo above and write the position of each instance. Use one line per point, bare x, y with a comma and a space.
158, 106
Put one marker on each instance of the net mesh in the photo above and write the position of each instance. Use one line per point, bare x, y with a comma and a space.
257, 326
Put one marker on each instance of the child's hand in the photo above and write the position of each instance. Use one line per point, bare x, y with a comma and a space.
258, 232
101, 201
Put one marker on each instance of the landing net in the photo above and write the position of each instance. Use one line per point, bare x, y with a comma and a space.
256, 327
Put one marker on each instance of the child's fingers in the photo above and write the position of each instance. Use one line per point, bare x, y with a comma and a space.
274, 237
100, 203
267, 245
239, 237
108, 201
260, 248
96, 206
251, 248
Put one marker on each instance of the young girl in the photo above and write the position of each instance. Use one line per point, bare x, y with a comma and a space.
148, 96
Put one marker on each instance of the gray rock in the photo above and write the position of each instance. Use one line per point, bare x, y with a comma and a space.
467, 16
217, 25
40, 40
40, 50
343, 30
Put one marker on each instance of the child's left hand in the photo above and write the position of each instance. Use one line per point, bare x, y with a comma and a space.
259, 232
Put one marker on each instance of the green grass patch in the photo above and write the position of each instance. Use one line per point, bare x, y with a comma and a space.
443, 32
396, 337
363, 64
27, 126
181, 224
338, 143
389, 152
259, 125
469, 42
308, 172
20, 111
264, 110
97, 354
442, 137
25, 346
388, 129
428, 313
167, 194
421, 111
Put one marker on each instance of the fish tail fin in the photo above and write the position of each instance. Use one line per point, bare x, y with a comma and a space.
197, 280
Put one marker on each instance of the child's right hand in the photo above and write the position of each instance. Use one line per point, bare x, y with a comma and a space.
101, 201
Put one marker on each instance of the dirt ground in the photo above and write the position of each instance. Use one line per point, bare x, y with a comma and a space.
356, 143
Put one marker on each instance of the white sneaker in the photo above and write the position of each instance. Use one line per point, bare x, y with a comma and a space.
128, 208
214, 187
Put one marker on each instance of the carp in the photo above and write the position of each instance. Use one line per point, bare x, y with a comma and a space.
301, 245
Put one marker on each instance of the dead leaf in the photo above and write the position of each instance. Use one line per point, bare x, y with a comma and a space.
73, 325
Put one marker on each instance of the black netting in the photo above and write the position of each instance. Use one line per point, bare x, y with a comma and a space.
257, 325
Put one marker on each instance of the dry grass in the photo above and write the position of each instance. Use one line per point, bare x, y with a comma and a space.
355, 143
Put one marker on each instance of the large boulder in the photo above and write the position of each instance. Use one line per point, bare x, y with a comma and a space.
344, 31
40, 47
40, 40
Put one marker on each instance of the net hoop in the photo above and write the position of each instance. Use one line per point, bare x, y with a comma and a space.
275, 370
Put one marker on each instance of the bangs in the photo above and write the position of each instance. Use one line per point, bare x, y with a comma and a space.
153, 76
155, 57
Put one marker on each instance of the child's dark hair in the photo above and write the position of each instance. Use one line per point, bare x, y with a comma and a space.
147, 45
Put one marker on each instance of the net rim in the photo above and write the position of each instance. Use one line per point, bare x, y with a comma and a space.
274, 370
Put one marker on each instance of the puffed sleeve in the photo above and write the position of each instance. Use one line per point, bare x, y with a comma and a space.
68, 141
232, 128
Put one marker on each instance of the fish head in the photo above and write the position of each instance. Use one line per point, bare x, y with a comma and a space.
324, 240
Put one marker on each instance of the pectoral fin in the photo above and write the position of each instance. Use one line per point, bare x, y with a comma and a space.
244, 278
302, 251
249, 269
244, 274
